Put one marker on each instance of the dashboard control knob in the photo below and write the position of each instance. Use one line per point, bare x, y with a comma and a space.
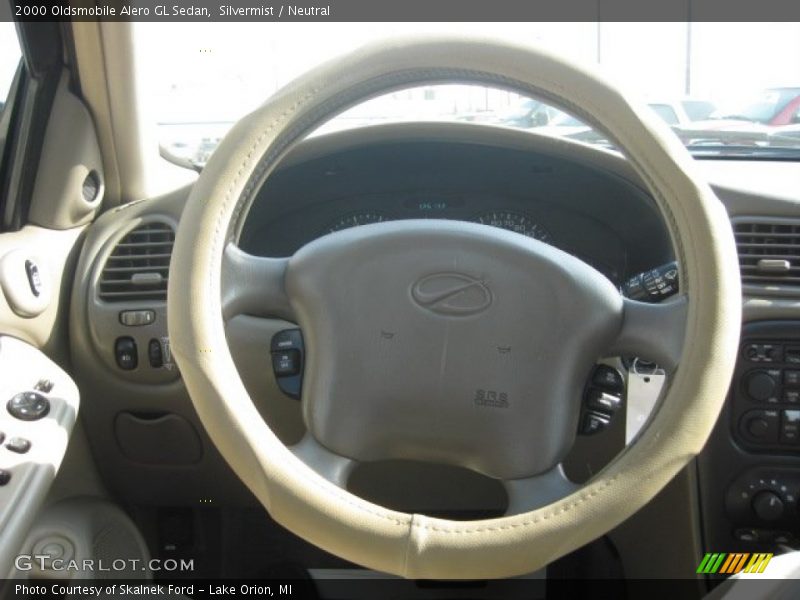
28, 406
761, 386
758, 428
768, 506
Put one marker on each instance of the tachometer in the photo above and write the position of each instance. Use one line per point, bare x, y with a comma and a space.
354, 219
516, 222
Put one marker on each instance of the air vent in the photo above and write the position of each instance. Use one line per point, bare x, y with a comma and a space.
138, 268
769, 252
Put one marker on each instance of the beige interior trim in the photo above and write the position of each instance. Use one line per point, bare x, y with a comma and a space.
125, 123
91, 65
414, 545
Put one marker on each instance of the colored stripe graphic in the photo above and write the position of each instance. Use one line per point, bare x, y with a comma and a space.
730, 564
734, 563
758, 563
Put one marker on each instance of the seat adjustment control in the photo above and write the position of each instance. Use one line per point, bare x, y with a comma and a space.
288, 358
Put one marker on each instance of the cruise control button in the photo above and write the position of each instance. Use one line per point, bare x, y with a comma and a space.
28, 406
288, 339
609, 378
603, 401
286, 363
18, 445
594, 423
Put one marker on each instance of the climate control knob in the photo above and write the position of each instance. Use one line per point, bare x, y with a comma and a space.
768, 506
761, 386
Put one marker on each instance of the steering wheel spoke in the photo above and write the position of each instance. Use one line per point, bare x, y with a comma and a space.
530, 493
254, 285
654, 331
333, 467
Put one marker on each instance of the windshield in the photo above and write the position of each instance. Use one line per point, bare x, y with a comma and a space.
766, 107
721, 97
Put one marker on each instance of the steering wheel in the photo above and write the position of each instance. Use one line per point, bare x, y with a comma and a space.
405, 322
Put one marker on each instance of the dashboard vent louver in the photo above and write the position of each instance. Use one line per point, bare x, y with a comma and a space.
769, 252
138, 267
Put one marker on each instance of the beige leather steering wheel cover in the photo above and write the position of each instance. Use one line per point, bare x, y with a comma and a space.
413, 545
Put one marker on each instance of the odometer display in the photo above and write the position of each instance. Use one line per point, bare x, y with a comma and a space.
516, 222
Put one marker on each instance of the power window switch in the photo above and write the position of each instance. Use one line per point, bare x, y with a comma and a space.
18, 445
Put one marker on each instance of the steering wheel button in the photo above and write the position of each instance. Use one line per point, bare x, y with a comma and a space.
18, 445
603, 401
28, 406
594, 423
286, 363
609, 378
288, 339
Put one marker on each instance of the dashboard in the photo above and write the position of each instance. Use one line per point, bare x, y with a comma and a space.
145, 434
594, 215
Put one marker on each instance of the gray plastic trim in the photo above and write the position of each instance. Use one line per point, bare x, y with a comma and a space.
21, 367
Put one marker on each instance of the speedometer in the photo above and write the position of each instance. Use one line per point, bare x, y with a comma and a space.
354, 219
516, 222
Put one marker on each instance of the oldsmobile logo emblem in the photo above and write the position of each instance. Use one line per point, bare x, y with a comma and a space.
452, 294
